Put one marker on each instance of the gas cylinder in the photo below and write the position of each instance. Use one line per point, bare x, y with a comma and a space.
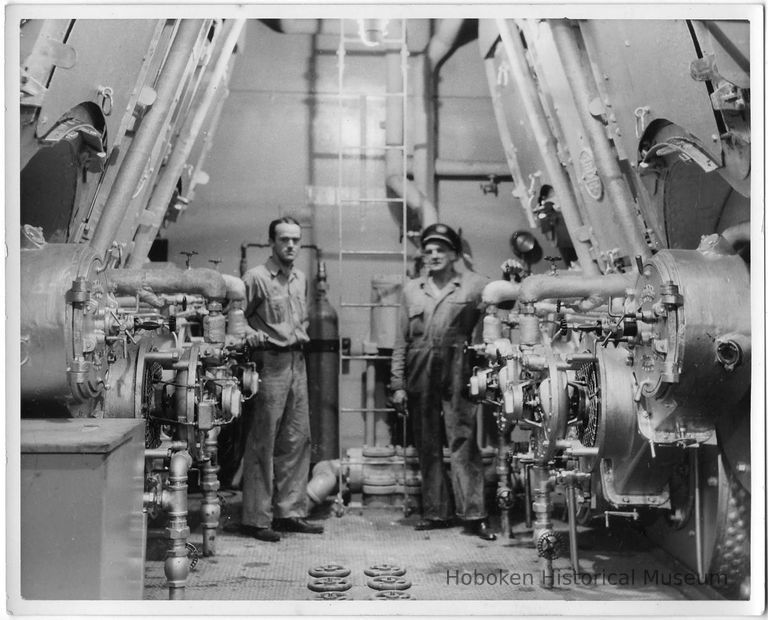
323, 373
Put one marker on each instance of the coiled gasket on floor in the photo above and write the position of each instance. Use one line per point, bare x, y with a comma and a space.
331, 596
329, 570
391, 595
378, 570
389, 582
329, 584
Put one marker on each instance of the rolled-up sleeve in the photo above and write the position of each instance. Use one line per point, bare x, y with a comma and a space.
398, 380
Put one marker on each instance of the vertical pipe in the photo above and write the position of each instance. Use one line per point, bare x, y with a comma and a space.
158, 203
584, 91
211, 505
370, 404
176, 560
528, 499
152, 126
697, 517
546, 142
570, 491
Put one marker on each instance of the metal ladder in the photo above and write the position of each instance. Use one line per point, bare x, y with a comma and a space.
362, 151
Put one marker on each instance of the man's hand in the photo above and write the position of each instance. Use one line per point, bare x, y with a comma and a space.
400, 401
256, 338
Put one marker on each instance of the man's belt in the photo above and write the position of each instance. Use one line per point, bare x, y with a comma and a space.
269, 346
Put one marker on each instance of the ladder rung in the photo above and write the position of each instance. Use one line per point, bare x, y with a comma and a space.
373, 252
360, 147
366, 357
369, 200
363, 409
369, 304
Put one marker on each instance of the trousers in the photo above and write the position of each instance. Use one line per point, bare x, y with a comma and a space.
441, 381
277, 449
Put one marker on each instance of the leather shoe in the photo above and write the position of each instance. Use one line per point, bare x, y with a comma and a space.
260, 533
432, 524
297, 524
480, 529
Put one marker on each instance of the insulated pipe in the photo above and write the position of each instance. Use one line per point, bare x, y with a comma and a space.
536, 116
500, 291
235, 287
395, 136
584, 90
468, 169
206, 282
537, 287
740, 233
427, 66
370, 404
152, 126
161, 196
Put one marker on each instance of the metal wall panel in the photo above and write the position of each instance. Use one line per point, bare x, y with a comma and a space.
646, 64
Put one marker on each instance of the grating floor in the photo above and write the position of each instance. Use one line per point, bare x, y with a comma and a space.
616, 563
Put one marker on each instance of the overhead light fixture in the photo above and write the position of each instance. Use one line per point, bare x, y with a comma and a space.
372, 31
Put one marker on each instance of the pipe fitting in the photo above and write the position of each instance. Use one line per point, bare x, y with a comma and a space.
499, 291
325, 475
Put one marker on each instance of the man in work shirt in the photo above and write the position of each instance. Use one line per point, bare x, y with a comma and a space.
439, 313
277, 450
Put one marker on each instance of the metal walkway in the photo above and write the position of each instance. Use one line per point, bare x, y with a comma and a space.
618, 564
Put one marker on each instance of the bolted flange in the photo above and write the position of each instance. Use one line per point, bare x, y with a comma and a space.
389, 582
329, 584
378, 570
331, 596
329, 570
391, 595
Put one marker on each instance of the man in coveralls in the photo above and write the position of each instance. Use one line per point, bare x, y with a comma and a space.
439, 313
277, 450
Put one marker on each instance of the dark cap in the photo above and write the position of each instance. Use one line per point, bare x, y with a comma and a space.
441, 232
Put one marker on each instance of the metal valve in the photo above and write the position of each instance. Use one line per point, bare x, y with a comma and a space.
189, 256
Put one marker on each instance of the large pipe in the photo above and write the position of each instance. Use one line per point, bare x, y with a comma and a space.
538, 287
152, 125
235, 287
158, 203
500, 291
536, 116
467, 169
737, 234
206, 282
584, 90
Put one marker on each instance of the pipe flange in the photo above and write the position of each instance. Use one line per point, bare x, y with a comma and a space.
389, 582
549, 545
379, 570
391, 595
329, 584
329, 570
331, 596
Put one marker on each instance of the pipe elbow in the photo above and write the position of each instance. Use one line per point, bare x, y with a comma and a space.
737, 235
500, 291
180, 463
443, 41
235, 287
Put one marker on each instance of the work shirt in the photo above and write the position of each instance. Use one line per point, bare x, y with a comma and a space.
435, 322
277, 303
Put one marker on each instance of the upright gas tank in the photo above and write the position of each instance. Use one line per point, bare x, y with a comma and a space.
323, 373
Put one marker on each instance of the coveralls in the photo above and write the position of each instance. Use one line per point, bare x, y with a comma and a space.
428, 362
277, 449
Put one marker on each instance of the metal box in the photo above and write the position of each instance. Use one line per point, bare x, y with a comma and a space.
82, 528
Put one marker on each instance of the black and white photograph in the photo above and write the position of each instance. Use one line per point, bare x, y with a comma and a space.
385, 309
